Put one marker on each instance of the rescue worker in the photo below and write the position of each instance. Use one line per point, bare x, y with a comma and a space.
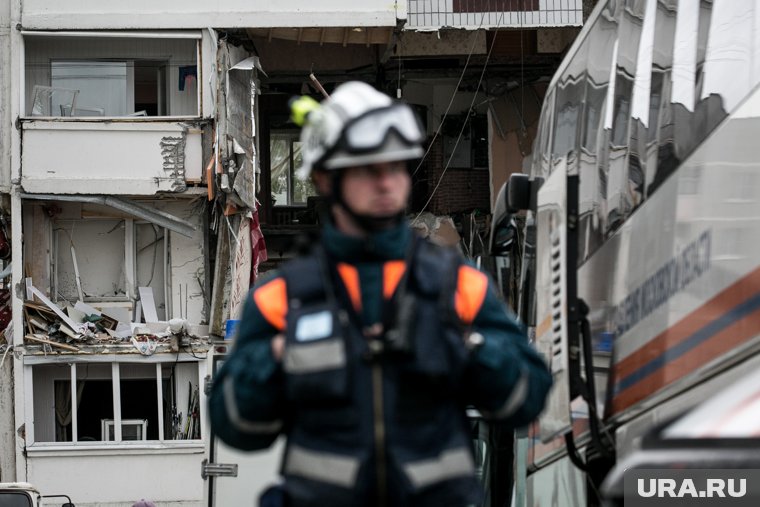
366, 352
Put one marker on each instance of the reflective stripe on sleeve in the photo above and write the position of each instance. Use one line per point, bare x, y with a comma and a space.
448, 465
471, 292
272, 301
514, 401
315, 356
245, 425
322, 466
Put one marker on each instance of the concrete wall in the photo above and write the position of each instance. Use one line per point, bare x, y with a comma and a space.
186, 259
7, 424
79, 157
108, 478
43, 14
5, 95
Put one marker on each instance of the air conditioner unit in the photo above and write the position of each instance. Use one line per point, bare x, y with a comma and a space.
131, 429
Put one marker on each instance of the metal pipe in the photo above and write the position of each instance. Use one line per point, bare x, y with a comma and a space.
153, 216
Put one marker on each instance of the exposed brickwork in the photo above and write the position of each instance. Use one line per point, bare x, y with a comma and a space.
460, 189
495, 5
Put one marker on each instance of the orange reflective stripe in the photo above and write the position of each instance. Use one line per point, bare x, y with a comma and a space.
272, 300
350, 277
471, 292
392, 273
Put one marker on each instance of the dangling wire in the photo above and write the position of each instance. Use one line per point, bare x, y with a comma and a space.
456, 89
464, 123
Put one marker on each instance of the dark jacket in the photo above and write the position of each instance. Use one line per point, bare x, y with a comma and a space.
374, 414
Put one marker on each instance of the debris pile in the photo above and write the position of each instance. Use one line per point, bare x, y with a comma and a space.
82, 327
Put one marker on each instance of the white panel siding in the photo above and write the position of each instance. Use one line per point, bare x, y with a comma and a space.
79, 157
5, 98
113, 478
185, 298
86, 14
434, 14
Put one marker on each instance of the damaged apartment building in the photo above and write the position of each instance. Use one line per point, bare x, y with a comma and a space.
147, 172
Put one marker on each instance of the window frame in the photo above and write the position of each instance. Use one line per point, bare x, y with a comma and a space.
115, 360
293, 136
157, 35
131, 253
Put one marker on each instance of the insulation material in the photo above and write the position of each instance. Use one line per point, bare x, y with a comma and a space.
236, 177
173, 155
241, 269
239, 130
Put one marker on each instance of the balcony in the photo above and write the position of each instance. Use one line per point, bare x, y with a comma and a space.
490, 14
111, 113
119, 158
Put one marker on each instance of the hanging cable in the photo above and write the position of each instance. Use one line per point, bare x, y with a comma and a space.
454, 94
464, 123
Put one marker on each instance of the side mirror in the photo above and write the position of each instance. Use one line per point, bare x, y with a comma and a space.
503, 236
521, 192
68, 499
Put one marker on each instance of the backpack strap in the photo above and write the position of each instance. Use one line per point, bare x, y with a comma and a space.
312, 279
304, 280
436, 273
432, 273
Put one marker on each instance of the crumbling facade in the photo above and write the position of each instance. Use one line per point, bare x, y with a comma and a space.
147, 177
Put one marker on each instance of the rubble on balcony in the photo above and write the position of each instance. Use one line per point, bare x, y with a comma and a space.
83, 329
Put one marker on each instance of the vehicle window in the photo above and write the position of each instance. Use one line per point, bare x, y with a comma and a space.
13, 499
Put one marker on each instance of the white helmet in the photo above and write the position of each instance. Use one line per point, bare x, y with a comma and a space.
358, 125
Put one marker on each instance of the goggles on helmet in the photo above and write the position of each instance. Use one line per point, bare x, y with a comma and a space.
370, 131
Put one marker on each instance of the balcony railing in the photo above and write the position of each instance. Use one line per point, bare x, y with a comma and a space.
471, 14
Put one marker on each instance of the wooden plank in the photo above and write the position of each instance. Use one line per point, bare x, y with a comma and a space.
76, 272
39, 236
38, 324
37, 339
148, 304
73, 325
220, 290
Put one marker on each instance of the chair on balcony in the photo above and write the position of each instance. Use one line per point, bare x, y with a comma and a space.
66, 110
44, 98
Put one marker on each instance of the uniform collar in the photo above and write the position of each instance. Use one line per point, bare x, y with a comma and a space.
389, 244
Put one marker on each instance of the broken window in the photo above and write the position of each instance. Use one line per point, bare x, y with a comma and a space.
85, 75
102, 261
116, 402
285, 159
465, 141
